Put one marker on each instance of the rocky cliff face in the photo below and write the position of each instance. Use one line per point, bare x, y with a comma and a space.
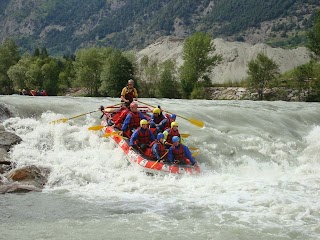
235, 57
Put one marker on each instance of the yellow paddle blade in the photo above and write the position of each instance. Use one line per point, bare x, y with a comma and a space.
184, 135
110, 134
61, 120
195, 153
95, 128
193, 148
196, 122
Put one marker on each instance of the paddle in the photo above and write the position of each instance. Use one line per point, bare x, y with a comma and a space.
110, 134
193, 121
63, 120
185, 135
193, 148
95, 128
99, 127
114, 134
195, 153
160, 159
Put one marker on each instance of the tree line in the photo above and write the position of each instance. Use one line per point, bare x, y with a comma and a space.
104, 71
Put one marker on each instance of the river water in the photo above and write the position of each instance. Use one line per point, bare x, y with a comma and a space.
260, 175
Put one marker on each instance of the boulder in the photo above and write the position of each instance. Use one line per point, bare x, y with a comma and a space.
8, 139
29, 173
18, 188
25, 179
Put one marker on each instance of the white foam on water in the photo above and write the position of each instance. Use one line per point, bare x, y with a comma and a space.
257, 178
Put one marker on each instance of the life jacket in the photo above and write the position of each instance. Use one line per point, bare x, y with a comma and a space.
129, 94
143, 137
168, 124
135, 120
161, 148
178, 154
171, 134
120, 117
158, 119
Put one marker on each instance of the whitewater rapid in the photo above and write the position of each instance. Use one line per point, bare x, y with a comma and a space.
260, 175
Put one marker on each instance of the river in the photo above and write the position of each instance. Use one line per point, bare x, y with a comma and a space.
260, 176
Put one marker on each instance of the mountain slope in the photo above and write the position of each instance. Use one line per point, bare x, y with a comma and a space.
64, 26
235, 57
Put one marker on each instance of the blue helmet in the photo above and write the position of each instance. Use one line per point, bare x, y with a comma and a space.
173, 116
159, 136
175, 139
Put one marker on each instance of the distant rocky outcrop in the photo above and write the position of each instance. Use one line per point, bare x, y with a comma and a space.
235, 57
241, 93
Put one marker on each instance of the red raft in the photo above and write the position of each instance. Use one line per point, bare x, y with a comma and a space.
135, 157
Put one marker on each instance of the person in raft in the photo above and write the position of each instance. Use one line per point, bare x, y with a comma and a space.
166, 123
156, 117
129, 93
132, 120
179, 153
142, 137
158, 148
169, 133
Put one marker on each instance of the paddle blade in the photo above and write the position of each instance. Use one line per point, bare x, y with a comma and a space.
196, 122
193, 148
95, 128
195, 153
184, 135
61, 120
110, 134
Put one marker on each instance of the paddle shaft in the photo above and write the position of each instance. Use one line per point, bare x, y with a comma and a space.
83, 114
195, 122
160, 159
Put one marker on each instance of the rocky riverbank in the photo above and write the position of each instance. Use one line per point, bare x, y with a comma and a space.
13, 179
241, 93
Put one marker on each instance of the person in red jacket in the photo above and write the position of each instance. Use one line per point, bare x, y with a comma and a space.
158, 148
142, 137
179, 153
132, 120
171, 132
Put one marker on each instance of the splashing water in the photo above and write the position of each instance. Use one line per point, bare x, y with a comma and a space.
259, 161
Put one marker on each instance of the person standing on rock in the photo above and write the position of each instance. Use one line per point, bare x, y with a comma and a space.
129, 93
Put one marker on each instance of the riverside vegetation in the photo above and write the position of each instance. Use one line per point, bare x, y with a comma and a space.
104, 71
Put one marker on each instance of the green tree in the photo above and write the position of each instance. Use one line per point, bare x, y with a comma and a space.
261, 71
168, 86
116, 72
34, 77
9, 56
88, 67
314, 36
303, 76
197, 60
17, 74
66, 75
50, 72
148, 74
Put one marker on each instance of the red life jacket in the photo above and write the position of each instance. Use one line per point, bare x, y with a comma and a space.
129, 95
171, 134
158, 119
143, 137
178, 154
135, 120
161, 148
168, 124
